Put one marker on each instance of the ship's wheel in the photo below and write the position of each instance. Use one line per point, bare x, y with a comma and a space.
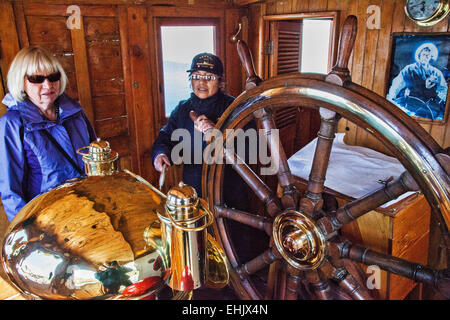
305, 255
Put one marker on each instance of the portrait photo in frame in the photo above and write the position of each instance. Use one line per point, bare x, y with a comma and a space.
419, 75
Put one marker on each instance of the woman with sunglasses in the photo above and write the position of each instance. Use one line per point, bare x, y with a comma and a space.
40, 132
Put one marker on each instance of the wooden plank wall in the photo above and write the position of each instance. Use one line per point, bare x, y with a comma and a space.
369, 63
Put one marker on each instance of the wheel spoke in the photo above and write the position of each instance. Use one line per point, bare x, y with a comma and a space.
355, 209
261, 190
414, 271
294, 282
346, 281
290, 195
312, 201
321, 286
259, 263
258, 222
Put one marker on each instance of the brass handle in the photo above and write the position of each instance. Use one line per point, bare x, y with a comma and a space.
82, 153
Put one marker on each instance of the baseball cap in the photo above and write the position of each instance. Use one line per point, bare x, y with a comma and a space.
207, 62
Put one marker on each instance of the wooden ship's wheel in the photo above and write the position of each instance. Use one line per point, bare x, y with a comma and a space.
306, 255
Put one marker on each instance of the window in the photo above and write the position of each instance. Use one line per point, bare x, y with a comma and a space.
301, 42
179, 45
315, 45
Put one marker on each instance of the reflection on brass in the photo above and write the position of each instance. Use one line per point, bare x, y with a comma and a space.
218, 270
299, 240
99, 237
85, 240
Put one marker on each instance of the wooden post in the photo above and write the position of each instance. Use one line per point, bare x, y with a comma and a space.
82, 71
140, 77
9, 40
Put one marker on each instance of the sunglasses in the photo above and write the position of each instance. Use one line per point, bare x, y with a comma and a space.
39, 79
199, 77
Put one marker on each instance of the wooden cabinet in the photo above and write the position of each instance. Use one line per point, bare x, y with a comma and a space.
401, 230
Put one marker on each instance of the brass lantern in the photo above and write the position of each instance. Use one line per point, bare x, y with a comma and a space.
105, 236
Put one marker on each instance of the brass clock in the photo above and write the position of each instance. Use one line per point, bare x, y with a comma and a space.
427, 12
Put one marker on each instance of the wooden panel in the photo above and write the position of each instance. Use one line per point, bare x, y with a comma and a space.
50, 33
143, 105
105, 61
318, 5
196, 3
410, 225
300, 6
120, 144
21, 25
131, 143
38, 9
410, 242
102, 29
111, 106
111, 127
417, 252
9, 44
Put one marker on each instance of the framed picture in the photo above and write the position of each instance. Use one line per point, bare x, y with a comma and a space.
419, 75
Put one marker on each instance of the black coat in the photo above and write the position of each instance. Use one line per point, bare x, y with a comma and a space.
212, 107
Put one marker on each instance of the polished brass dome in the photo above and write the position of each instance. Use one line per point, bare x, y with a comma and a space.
85, 240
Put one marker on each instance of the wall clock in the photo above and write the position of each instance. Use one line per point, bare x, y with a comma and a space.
427, 12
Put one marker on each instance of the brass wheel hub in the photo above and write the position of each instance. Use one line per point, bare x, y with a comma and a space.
299, 240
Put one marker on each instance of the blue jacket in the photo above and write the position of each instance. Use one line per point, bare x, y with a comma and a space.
29, 162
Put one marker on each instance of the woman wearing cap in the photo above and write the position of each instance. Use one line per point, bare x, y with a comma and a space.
208, 101
40, 132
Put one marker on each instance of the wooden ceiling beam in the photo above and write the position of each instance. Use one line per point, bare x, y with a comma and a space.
246, 2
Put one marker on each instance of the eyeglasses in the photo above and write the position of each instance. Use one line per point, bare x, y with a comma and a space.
199, 77
39, 79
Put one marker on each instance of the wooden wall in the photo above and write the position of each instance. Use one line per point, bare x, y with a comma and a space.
370, 58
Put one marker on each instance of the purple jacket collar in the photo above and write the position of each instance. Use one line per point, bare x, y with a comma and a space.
32, 116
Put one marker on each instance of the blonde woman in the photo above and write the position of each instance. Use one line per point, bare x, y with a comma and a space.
41, 130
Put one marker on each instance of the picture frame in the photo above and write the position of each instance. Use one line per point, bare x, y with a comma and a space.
419, 75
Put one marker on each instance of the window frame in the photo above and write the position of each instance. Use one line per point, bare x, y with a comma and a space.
180, 20
269, 19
